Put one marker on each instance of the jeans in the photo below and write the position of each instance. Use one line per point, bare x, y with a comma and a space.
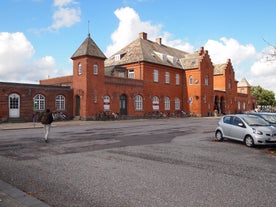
46, 130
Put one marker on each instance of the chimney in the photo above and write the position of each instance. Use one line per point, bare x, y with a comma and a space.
158, 40
143, 35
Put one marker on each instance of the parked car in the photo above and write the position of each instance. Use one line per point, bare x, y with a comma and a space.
250, 129
269, 117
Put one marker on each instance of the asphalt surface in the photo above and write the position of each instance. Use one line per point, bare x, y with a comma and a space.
140, 163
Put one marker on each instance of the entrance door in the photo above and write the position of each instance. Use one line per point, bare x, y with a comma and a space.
14, 105
77, 105
123, 105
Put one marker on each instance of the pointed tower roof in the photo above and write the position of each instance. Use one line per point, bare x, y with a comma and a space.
88, 48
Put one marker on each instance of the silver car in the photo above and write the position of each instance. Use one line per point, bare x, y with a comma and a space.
269, 117
250, 129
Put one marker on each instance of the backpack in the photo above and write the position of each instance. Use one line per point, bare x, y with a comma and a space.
47, 118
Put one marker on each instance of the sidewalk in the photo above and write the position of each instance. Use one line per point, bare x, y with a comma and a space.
12, 197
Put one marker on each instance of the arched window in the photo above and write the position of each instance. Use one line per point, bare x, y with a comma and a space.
167, 103
95, 69
106, 100
177, 104
155, 103
39, 102
60, 102
79, 69
191, 80
138, 102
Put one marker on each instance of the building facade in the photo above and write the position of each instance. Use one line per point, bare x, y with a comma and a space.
145, 77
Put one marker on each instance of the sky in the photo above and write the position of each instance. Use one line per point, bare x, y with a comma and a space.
38, 37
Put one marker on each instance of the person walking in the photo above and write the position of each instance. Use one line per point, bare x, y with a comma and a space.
46, 120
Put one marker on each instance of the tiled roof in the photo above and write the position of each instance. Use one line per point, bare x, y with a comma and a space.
219, 69
190, 61
148, 51
243, 83
88, 48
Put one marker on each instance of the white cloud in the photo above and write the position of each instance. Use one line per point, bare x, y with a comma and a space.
17, 63
263, 70
224, 49
66, 14
130, 25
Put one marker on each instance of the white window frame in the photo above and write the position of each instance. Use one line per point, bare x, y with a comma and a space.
167, 105
138, 101
190, 80
95, 69
155, 103
167, 77
131, 74
155, 76
106, 100
206, 80
60, 103
177, 79
177, 104
39, 102
79, 69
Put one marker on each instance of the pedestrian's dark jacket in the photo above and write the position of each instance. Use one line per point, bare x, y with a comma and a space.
46, 117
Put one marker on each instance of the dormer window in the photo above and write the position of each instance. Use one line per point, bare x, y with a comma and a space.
117, 57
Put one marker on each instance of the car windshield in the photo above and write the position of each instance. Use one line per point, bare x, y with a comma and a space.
270, 117
255, 121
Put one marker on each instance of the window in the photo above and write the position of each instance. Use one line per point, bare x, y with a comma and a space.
121, 74
95, 69
39, 102
167, 103
227, 119
60, 102
177, 79
229, 84
206, 80
79, 69
236, 121
177, 104
204, 98
155, 103
131, 74
117, 57
167, 77
243, 105
138, 102
106, 100
14, 100
155, 75
239, 105
191, 80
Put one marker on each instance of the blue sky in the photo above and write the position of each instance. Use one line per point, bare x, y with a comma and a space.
38, 37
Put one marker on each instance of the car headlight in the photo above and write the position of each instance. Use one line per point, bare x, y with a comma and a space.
255, 131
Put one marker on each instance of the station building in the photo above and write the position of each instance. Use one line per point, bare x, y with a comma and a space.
145, 77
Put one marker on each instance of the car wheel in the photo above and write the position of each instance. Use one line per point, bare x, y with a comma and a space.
219, 136
249, 142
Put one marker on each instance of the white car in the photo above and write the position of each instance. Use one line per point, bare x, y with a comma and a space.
250, 129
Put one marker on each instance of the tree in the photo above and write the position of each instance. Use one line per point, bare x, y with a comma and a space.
264, 97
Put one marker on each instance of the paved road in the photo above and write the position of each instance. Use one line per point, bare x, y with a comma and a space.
143, 163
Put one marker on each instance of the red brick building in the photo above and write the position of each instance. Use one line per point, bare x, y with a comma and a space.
145, 77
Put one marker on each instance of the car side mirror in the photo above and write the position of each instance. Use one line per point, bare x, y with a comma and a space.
241, 124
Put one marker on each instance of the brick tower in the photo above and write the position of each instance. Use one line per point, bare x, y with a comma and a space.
88, 77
